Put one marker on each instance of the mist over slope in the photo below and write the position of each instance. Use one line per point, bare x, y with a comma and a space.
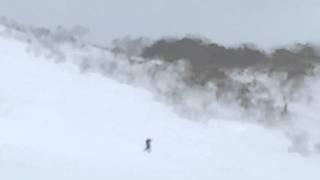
64, 115
201, 80
271, 88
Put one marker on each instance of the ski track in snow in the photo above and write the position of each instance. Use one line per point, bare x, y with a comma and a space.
56, 123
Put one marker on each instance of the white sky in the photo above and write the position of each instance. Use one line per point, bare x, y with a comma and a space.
265, 22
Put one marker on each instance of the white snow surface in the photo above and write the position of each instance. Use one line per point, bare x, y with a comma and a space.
59, 124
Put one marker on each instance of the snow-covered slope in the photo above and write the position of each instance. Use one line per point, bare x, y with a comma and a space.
58, 123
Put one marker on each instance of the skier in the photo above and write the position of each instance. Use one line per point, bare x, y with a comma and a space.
285, 109
148, 145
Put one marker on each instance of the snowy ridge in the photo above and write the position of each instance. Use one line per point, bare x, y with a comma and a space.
56, 123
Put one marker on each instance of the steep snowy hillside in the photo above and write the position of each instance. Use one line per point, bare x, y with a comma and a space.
59, 123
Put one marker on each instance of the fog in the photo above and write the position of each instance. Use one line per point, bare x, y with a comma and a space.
223, 71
